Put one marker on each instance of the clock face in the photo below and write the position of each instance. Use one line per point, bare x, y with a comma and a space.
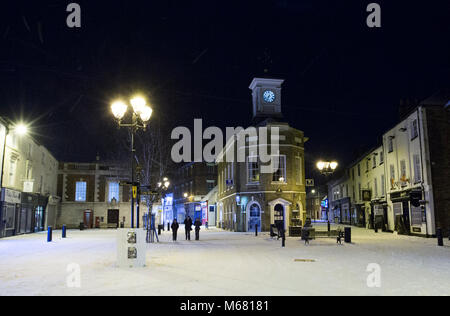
269, 96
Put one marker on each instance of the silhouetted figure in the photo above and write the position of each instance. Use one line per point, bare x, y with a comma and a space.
188, 227
174, 229
197, 225
306, 236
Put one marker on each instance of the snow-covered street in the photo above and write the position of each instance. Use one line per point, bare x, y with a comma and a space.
224, 263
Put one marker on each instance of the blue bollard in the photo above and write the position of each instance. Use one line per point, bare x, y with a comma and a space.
49, 234
64, 231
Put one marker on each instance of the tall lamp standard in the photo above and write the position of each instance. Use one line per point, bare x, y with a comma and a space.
327, 168
140, 116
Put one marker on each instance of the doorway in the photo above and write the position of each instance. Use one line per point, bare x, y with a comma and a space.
406, 216
278, 216
113, 218
254, 217
88, 219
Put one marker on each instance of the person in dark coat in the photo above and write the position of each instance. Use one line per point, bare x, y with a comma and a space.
306, 236
197, 225
188, 227
174, 229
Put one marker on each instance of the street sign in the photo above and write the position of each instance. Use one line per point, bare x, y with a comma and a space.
309, 182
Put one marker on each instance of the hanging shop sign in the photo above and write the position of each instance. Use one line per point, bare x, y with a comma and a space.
366, 195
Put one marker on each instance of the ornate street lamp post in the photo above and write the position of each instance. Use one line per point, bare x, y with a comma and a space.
139, 118
327, 168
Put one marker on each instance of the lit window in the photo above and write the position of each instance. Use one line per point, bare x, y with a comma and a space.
80, 191
252, 169
114, 191
279, 175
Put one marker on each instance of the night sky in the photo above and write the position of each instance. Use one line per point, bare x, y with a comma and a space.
196, 59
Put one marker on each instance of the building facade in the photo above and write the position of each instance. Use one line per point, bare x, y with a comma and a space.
250, 194
402, 185
315, 199
29, 197
192, 182
95, 194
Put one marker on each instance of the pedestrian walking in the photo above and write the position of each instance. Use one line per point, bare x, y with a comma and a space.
188, 227
174, 229
197, 228
306, 237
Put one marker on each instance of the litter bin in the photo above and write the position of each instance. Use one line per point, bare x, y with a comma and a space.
348, 234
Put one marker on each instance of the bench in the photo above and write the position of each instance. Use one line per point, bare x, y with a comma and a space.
274, 231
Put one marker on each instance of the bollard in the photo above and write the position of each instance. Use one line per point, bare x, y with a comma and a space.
376, 229
348, 235
159, 230
439, 237
329, 228
256, 230
449, 234
64, 231
81, 226
283, 238
49, 234
168, 226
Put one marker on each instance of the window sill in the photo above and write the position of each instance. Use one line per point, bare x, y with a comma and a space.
278, 183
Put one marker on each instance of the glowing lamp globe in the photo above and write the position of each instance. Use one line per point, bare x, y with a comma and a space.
138, 104
21, 129
146, 113
119, 109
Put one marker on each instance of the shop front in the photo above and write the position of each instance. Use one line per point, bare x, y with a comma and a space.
9, 210
409, 214
360, 215
341, 211
39, 214
380, 217
25, 218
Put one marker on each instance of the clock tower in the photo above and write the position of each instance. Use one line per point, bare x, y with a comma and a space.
266, 95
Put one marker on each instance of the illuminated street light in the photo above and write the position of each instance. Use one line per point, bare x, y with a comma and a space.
138, 104
326, 167
139, 119
21, 129
185, 195
119, 109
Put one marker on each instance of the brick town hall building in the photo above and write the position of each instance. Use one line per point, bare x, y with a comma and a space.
248, 196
